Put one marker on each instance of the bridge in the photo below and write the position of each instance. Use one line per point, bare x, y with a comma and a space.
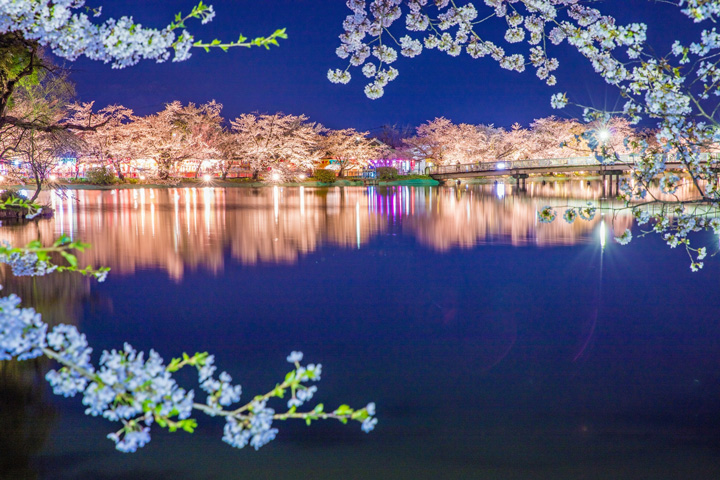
520, 170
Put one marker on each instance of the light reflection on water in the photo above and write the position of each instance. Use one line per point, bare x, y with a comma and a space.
181, 228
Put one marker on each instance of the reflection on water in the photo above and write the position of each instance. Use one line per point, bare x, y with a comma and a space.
26, 418
180, 228
554, 369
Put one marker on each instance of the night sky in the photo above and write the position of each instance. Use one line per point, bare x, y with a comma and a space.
292, 78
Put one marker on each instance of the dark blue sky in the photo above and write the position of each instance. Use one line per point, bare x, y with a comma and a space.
292, 78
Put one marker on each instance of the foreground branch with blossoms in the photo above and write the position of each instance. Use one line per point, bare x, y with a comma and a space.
674, 220
65, 27
138, 391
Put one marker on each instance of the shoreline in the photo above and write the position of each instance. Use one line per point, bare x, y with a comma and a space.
416, 182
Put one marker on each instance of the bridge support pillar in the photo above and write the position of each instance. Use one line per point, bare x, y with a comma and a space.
521, 179
607, 182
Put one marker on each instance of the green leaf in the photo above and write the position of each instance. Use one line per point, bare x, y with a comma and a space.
173, 366
189, 425
278, 391
360, 415
343, 410
71, 259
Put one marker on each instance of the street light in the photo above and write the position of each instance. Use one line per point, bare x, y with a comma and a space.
275, 177
206, 178
604, 134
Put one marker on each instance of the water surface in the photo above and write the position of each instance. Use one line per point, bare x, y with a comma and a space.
495, 347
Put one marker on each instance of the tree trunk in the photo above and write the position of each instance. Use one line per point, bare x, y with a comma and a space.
38, 187
163, 173
256, 174
118, 171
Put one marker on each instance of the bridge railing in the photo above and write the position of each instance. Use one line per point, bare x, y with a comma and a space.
591, 161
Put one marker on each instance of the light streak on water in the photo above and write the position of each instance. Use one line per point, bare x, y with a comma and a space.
276, 202
302, 201
357, 223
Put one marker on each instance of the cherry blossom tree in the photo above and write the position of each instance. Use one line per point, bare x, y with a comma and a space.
279, 144
228, 151
551, 137
113, 141
32, 140
431, 139
350, 148
176, 134
447, 144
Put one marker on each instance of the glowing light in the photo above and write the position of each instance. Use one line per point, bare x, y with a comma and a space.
53, 178
602, 234
301, 176
206, 177
604, 134
500, 190
2, 179
142, 177
275, 177
500, 166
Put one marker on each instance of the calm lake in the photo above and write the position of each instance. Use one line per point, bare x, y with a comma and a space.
494, 346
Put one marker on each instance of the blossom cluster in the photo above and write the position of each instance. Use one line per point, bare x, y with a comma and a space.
27, 264
22, 331
546, 214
